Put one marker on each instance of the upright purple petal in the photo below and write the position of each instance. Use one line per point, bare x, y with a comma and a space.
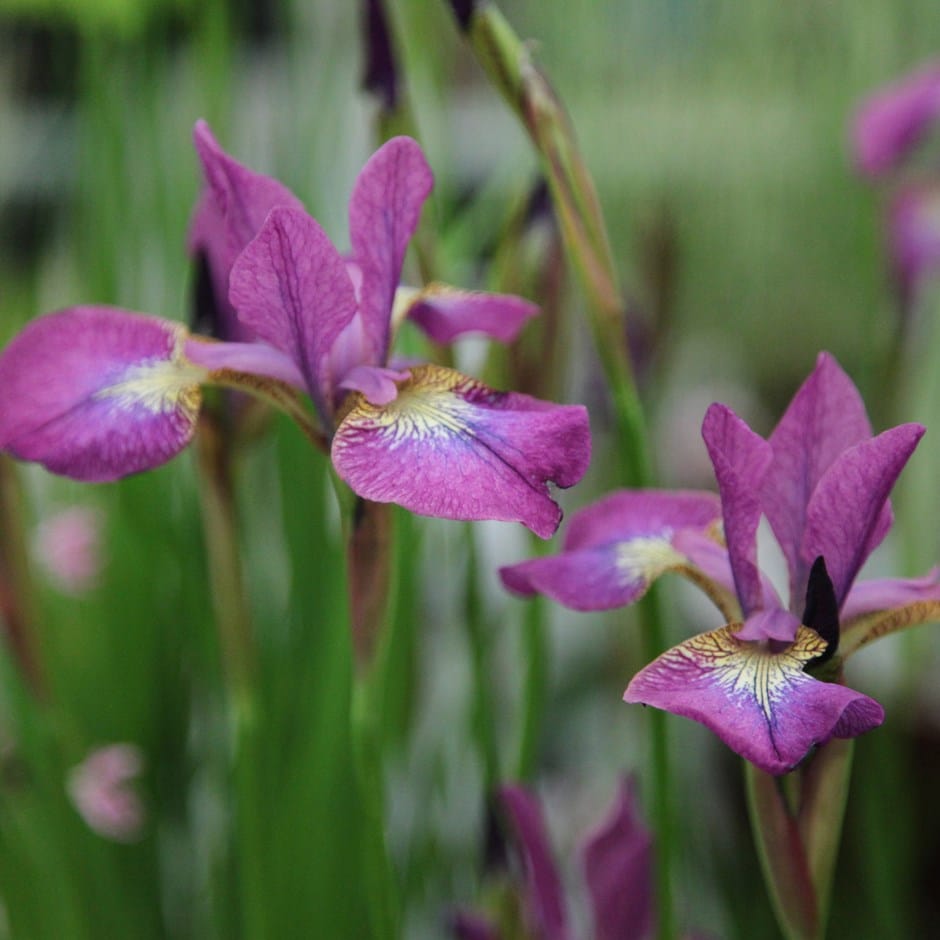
383, 214
760, 703
241, 199
614, 549
825, 417
891, 123
618, 869
230, 212
291, 287
451, 447
741, 459
847, 518
97, 393
546, 900
446, 313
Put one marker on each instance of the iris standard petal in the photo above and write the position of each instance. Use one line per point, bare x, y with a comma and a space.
383, 214
760, 703
451, 447
446, 313
741, 459
235, 204
618, 870
546, 901
848, 514
97, 393
825, 418
614, 549
291, 288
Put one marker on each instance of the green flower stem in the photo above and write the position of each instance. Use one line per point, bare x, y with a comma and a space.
483, 721
797, 822
368, 535
508, 64
17, 613
535, 647
782, 856
219, 518
230, 608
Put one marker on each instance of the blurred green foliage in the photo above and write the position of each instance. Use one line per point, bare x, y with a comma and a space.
717, 133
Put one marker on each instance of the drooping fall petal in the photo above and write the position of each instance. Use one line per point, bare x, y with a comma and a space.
847, 517
446, 313
759, 702
291, 287
383, 214
614, 549
825, 418
883, 593
451, 447
741, 459
618, 869
97, 393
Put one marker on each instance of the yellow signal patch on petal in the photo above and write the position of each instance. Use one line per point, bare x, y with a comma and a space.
161, 386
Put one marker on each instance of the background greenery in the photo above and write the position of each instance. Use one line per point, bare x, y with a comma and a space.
717, 133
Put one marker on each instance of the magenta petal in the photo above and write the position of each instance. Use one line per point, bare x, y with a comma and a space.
255, 358
618, 869
614, 549
825, 418
546, 901
240, 200
914, 240
446, 313
866, 597
848, 514
895, 120
378, 385
97, 393
775, 624
741, 459
291, 287
760, 703
448, 446
383, 214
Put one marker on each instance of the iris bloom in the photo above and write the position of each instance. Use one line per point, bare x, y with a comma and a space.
914, 240
822, 481
616, 865
96, 392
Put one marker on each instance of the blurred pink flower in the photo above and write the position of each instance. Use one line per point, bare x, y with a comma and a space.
68, 546
100, 789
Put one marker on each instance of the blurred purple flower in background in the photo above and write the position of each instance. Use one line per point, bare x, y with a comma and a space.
891, 124
822, 480
100, 788
616, 868
68, 547
97, 393
914, 240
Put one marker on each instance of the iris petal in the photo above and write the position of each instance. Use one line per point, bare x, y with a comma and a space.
383, 214
451, 447
97, 393
446, 313
760, 703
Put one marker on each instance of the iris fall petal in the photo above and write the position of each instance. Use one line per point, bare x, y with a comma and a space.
97, 393
451, 447
760, 703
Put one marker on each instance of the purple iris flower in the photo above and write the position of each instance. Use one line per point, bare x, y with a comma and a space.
616, 865
895, 121
97, 392
822, 481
